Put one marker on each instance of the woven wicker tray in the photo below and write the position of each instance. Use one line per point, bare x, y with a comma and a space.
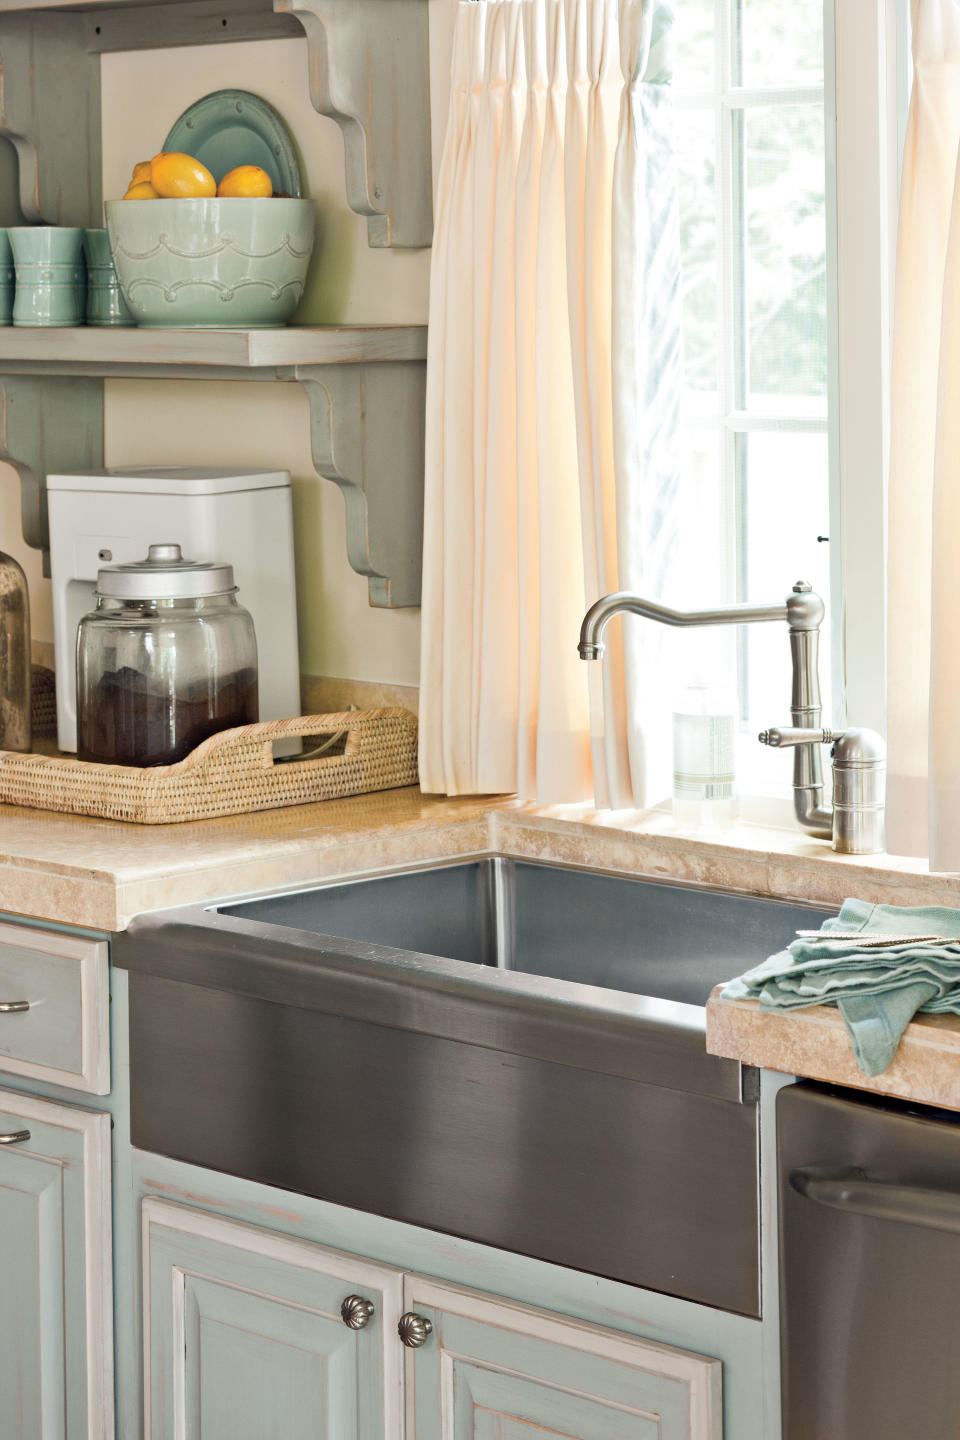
229, 774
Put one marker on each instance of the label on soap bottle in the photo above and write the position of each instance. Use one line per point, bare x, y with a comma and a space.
704, 747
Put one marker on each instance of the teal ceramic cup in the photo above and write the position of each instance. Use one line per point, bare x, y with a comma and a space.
105, 302
6, 280
50, 284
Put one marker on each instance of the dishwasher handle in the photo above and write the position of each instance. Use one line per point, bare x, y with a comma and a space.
853, 1192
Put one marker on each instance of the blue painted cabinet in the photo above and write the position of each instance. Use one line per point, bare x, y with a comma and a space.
491, 1370
56, 1355
245, 1336
245, 1339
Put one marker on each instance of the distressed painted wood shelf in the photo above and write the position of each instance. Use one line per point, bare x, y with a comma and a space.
87, 350
365, 386
367, 69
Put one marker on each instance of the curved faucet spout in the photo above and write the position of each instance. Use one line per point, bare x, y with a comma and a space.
803, 611
625, 601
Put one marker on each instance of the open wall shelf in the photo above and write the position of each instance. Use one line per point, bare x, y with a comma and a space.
368, 69
365, 386
204, 354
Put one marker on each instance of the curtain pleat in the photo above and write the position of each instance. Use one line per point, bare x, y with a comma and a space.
591, 138
554, 762
648, 378
522, 500
498, 637
923, 711
945, 627
445, 759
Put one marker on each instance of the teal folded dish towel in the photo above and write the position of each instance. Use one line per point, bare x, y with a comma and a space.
877, 990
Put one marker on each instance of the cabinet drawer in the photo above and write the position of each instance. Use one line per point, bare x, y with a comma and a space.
63, 1034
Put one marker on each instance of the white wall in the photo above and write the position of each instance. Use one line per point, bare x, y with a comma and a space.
205, 423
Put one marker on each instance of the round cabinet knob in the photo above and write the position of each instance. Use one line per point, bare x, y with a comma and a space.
414, 1330
356, 1312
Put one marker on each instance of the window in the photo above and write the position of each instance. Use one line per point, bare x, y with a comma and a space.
750, 115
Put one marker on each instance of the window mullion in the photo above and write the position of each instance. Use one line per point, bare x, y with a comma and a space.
733, 369
725, 241
860, 197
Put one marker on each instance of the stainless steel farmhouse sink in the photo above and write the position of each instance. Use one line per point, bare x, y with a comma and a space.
506, 1051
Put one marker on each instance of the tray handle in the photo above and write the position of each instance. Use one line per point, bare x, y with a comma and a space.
260, 737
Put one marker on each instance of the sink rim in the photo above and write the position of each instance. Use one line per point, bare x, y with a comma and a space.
466, 976
416, 867
613, 1032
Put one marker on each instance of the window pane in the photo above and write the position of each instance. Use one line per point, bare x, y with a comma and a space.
707, 542
782, 42
753, 249
693, 44
706, 569
785, 262
787, 507
696, 158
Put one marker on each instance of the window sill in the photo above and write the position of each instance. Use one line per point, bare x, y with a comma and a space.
777, 860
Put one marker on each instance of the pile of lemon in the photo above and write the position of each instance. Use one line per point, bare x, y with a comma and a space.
173, 176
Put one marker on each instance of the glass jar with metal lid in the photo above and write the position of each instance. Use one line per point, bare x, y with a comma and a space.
167, 658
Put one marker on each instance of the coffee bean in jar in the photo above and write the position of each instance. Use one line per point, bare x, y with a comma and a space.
168, 657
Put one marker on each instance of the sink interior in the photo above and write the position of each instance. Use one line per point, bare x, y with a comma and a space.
664, 941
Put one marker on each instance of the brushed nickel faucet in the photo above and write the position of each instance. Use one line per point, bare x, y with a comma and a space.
854, 821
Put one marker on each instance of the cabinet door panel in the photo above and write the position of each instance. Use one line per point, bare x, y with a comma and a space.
245, 1341
31, 1333
491, 1403
56, 1329
491, 1370
243, 1338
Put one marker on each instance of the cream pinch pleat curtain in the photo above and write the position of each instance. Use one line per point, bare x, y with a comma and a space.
553, 207
923, 711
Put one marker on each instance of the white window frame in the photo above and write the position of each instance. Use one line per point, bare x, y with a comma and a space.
866, 74
732, 419
866, 86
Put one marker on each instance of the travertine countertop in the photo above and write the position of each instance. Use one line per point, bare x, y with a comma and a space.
100, 873
814, 1043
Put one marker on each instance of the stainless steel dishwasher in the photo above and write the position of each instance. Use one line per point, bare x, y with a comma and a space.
870, 1267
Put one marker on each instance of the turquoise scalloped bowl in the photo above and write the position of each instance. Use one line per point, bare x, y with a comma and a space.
211, 264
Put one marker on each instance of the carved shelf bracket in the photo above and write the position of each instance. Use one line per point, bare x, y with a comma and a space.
369, 70
365, 388
367, 436
50, 112
48, 424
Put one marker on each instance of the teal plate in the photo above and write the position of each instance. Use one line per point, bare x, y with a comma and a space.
232, 127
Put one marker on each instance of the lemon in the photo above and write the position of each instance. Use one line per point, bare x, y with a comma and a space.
141, 190
180, 177
246, 180
141, 172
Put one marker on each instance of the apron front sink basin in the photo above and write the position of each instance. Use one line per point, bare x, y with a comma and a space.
504, 1051
667, 941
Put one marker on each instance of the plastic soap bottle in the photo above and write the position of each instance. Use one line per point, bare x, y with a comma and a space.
704, 749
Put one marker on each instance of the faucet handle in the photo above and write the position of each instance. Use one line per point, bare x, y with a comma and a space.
788, 735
